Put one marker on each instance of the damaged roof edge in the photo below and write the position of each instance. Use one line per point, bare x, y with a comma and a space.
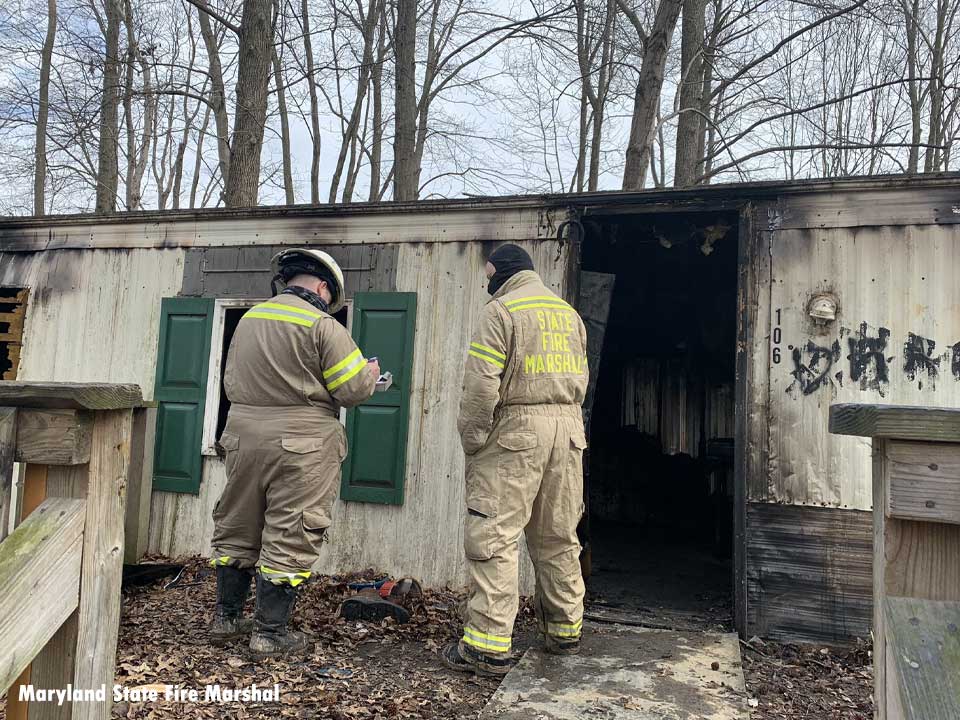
526, 216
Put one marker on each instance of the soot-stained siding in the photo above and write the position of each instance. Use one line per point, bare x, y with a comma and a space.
810, 572
237, 272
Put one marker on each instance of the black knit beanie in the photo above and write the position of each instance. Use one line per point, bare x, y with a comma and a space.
508, 261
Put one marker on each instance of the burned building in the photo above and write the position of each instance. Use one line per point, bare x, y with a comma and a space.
724, 321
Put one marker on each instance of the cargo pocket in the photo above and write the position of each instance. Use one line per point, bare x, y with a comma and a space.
301, 445
230, 444
480, 529
513, 463
578, 440
314, 526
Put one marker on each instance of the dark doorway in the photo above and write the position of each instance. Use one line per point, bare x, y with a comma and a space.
660, 465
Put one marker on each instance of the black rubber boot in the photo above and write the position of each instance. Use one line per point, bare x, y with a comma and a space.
233, 587
564, 646
461, 657
270, 635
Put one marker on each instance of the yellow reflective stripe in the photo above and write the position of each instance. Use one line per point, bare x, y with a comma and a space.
343, 363
222, 560
562, 630
289, 308
534, 298
490, 350
279, 577
483, 641
553, 306
492, 361
281, 318
347, 375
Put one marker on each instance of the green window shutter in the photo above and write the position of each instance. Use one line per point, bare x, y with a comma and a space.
180, 391
374, 471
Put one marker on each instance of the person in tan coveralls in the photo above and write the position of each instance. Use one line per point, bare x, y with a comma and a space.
521, 428
290, 368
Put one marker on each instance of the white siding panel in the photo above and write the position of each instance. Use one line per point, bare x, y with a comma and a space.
901, 279
93, 315
182, 524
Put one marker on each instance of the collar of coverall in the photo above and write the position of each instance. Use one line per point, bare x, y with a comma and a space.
308, 295
521, 278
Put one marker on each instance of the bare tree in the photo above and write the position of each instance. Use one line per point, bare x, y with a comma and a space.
253, 77
643, 125
405, 175
218, 93
690, 123
107, 171
43, 110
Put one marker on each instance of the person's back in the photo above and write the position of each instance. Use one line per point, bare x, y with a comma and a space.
521, 427
530, 349
281, 355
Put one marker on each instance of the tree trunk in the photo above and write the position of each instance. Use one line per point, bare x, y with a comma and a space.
647, 98
314, 106
189, 118
43, 111
708, 134
935, 92
130, 193
599, 99
580, 173
376, 80
284, 129
136, 157
405, 134
218, 94
198, 156
107, 171
348, 144
253, 78
910, 15
690, 125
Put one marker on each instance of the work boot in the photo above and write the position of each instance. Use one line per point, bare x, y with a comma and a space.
233, 586
463, 658
558, 646
270, 635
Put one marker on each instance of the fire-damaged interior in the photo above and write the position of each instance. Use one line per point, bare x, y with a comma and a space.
660, 466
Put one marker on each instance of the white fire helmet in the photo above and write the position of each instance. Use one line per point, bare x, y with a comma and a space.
312, 258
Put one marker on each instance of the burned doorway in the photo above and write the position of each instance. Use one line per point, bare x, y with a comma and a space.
659, 530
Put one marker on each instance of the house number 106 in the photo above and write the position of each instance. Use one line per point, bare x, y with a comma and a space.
777, 335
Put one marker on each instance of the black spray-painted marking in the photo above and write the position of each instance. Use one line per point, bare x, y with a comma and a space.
955, 362
918, 360
813, 375
868, 364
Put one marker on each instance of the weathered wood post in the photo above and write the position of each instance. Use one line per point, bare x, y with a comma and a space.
60, 570
916, 556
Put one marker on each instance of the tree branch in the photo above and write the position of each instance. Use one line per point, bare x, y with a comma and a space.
202, 6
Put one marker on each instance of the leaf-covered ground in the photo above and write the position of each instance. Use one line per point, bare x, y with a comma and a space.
384, 670
808, 682
357, 670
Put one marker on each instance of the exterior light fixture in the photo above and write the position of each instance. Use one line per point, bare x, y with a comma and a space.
823, 308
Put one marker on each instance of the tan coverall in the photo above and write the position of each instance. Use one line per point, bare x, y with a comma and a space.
290, 368
522, 431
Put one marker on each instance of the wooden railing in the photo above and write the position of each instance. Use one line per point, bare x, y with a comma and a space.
61, 566
916, 556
